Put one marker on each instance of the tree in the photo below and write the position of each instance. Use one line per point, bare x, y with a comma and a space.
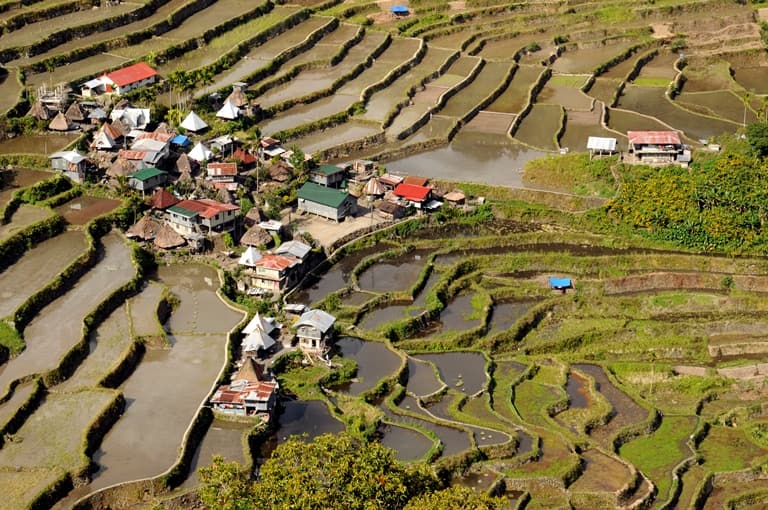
338, 472
757, 136
455, 498
225, 486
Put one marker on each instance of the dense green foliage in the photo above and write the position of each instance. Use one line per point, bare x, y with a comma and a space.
718, 204
327, 473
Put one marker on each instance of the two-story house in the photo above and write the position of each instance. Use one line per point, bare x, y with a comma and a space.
273, 273
189, 217
314, 330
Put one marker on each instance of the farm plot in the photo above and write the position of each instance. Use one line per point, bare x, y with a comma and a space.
34, 32
158, 16
382, 102
719, 103
37, 267
515, 97
395, 55
64, 315
313, 81
565, 91
658, 453
220, 45
83, 209
347, 132
262, 55
604, 89
585, 60
24, 216
579, 126
426, 99
21, 178
191, 28
653, 102
489, 79
144, 442
658, 72
538, 128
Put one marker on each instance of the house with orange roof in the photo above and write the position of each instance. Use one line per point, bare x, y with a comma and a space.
274, 273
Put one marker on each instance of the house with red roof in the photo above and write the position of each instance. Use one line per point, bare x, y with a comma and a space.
129, 78
190, 217
249, 394
274, 273
417, 195
656, 148
222, 172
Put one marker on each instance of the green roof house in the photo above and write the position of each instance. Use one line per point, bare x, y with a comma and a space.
147, 179
327, 175
326, 202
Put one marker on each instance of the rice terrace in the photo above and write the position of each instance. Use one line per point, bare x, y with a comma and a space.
521, 245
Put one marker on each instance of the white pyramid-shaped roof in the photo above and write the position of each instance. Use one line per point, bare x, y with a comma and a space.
258, 323
193, 123
102, 140
257, 340
229, 111
200, 152
249, 257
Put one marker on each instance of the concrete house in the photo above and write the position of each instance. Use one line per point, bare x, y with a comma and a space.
326, 202
189, 217
273, 273
314, 329
128, 78
147, 179
327, 175
222, 172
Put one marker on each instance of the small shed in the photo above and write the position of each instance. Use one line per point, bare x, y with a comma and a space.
598, 146
60, 123
399, 10
561, 284
147, 179
327, 175
391, 211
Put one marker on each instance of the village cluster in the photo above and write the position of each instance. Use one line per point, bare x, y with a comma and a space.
194, 182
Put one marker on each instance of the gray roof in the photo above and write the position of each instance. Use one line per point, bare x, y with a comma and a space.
294, 249
316, 319
73, 157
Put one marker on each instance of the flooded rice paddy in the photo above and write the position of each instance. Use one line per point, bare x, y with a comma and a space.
37, 267
464, 371
23, 217
408, 444
83, 209
21, 178
65, 315
36, 144
145, 442
374, 362
422, 379
393, 274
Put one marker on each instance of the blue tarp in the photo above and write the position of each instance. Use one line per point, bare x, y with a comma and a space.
399, 9
180, 140
560, 283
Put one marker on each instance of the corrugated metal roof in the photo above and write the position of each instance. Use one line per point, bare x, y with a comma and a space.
131, 74
319, 319
320, 194
654, 137
600, 143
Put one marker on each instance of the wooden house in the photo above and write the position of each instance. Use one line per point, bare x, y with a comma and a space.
147, 179
71, 163
654, 147
330, 176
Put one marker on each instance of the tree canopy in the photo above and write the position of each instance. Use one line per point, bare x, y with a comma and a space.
334, 472
720, 203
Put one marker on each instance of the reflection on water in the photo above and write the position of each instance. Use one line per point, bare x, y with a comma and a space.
477, 157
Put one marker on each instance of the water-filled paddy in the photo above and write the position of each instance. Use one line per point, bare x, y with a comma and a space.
538, 128
652, 101
334, 136
458, 315
83, 209
380, 316
754, 79
515, 97
460, 370
586, 60
566, 96
37, 267
489, 78
504, 315
422, 379
21, 178
36, 144
494, 160
224, 438
23, 217
374, 362
408, 444
720, 103
312, 418
393, 274
65, 314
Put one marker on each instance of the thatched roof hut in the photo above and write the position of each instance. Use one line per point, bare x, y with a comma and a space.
280, 172
60, 123
184, 165
167, 238
237, 97
256, 236
164, 128
120, 168
162, 199
254, 216
40, 112
145, 229
75, 113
